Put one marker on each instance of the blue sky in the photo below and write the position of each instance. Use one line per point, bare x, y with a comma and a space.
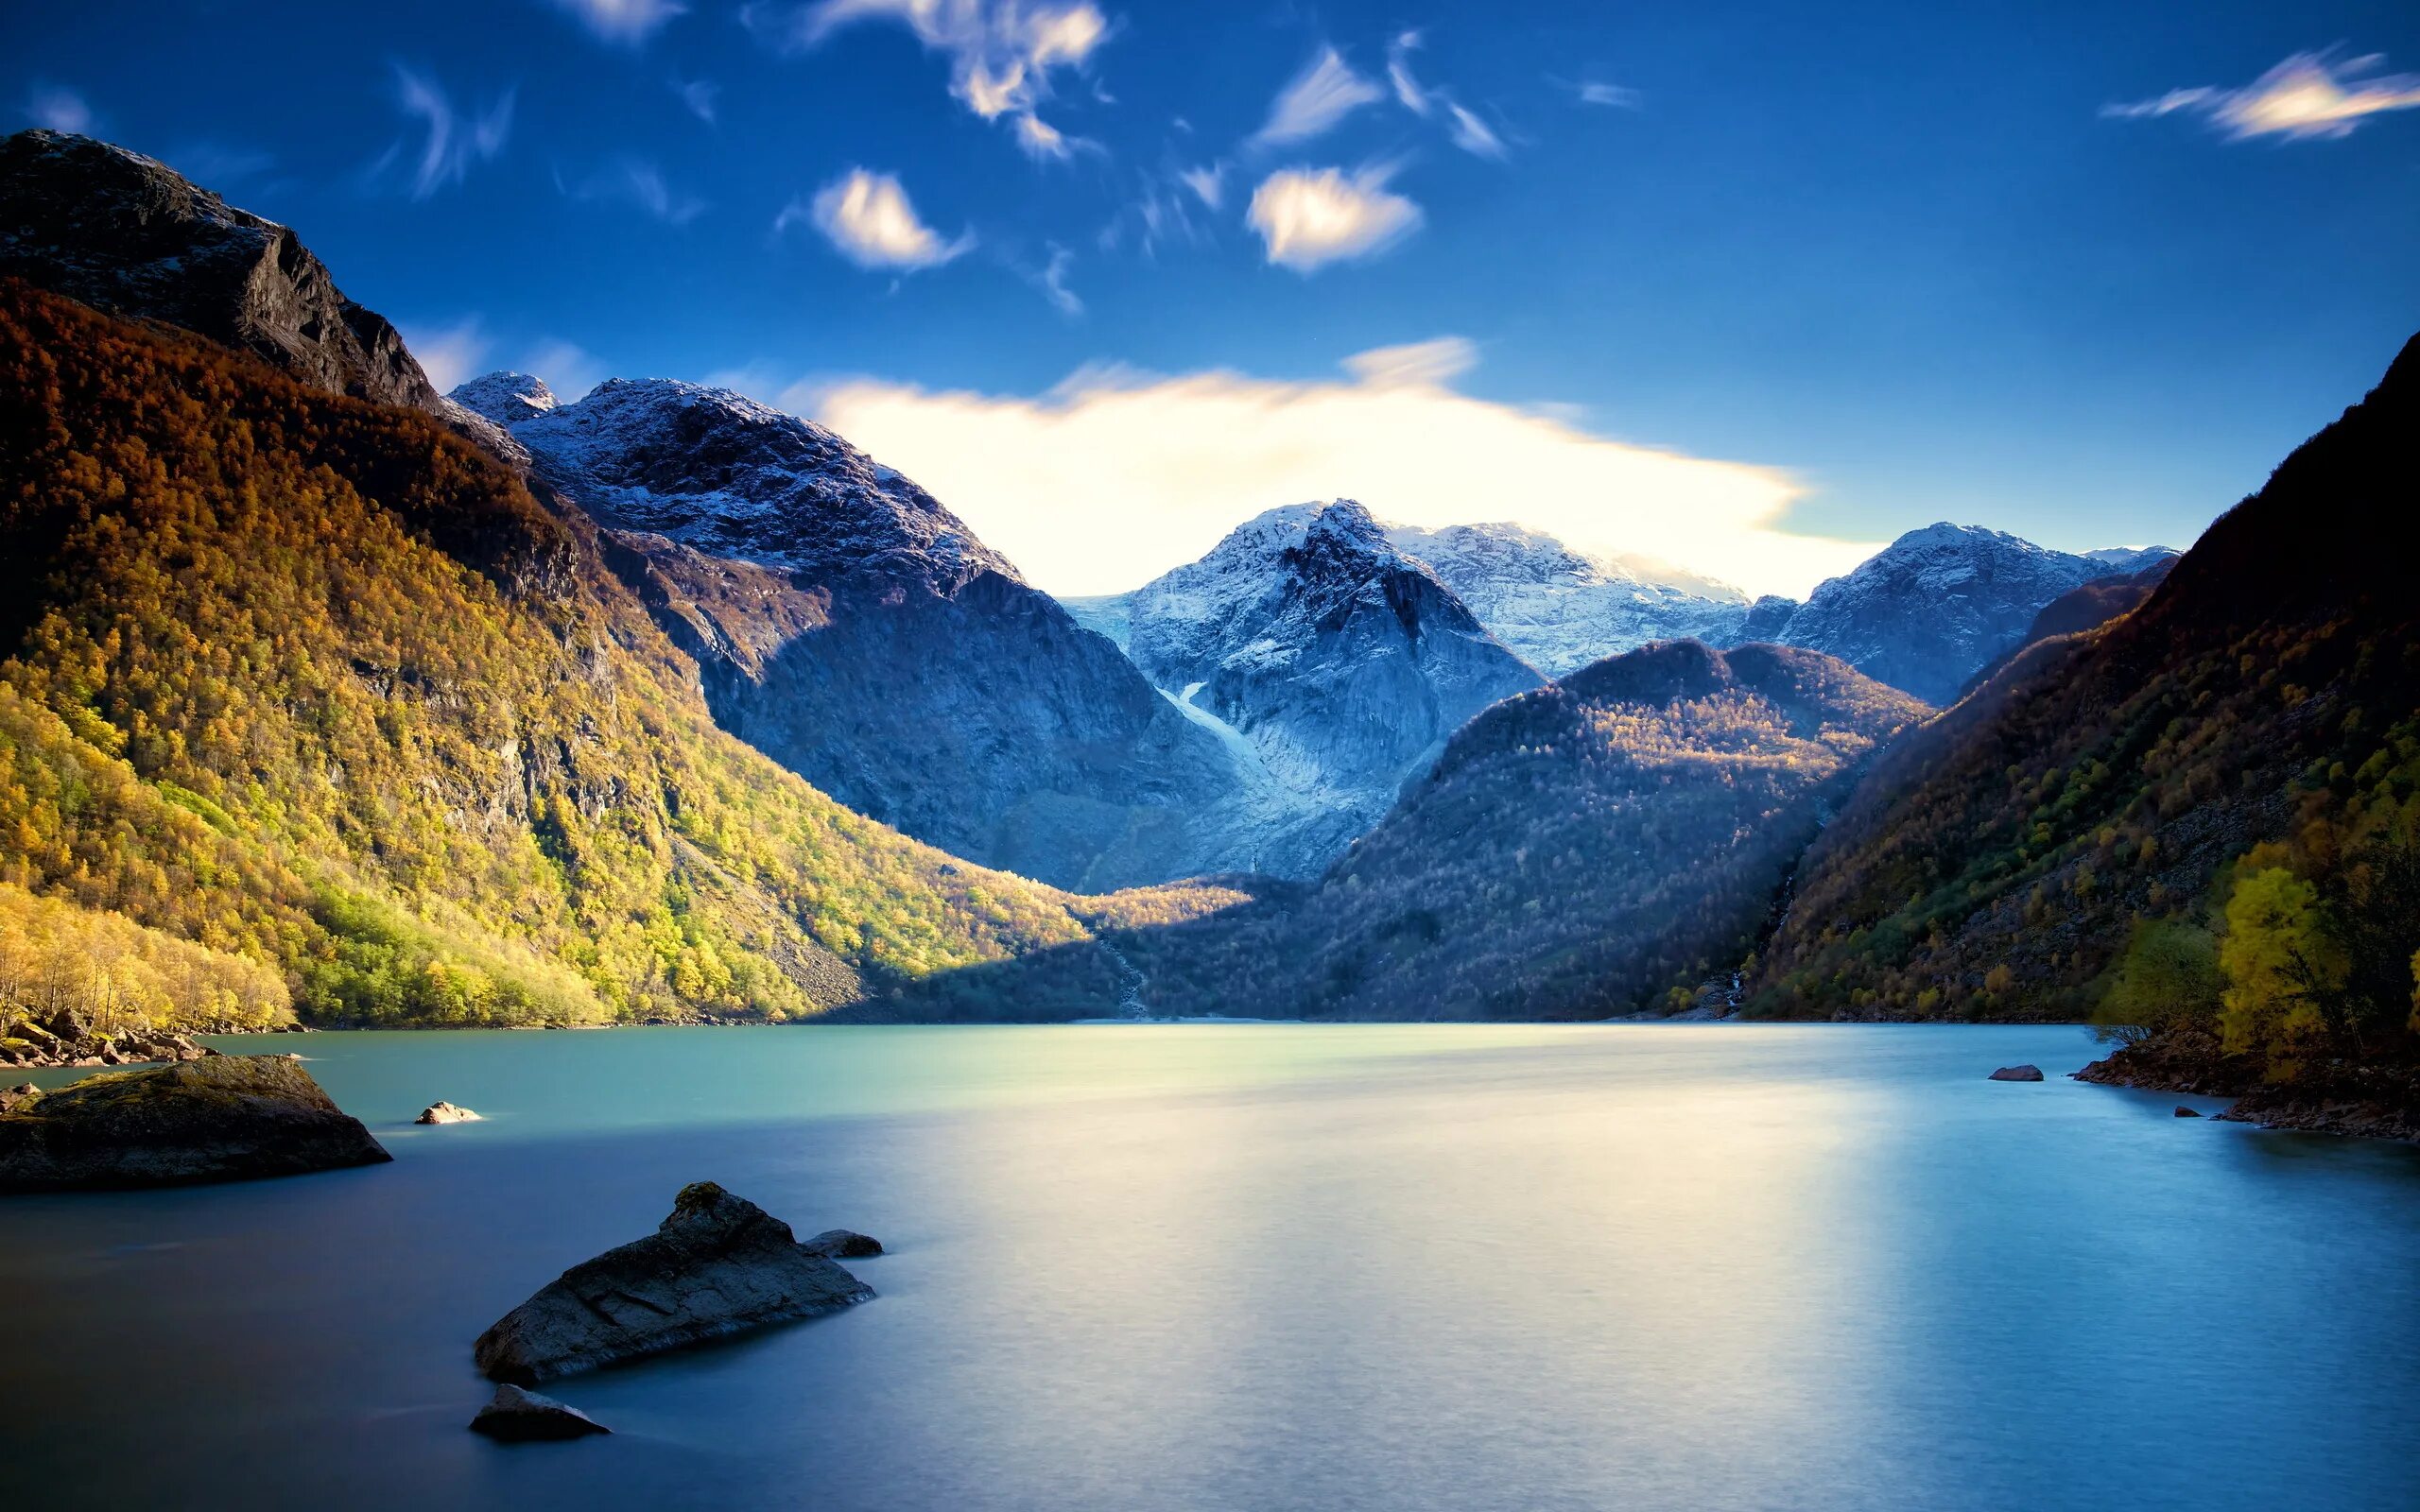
1752, 285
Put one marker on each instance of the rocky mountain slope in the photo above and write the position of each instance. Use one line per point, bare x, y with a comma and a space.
125, 234
856, 630
1937, 604
1599, 846
1560, 608
1332, 662
2200, 816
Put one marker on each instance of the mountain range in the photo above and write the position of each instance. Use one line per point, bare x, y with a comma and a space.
488, 708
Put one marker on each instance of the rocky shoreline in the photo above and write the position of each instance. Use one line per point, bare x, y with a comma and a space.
2339, 1097
31, 1041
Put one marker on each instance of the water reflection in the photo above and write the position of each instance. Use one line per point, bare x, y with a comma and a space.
1273, 1267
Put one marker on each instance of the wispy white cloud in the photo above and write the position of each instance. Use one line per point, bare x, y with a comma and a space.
699, 95
1430, 363
1468, 132
626, 23
1309, 218
1114, 477
451, 141
1408, 90
1325, 91
1051, 279
1596, 92
2308, 96
1002, 53
1209, 183
448, 354
641, 185
60, 108
1472, 134
867, 217
1044, 141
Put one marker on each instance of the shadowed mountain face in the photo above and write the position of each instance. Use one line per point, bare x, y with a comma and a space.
1597, 846
1334, 661
1937, 604
1997, 863
849, 626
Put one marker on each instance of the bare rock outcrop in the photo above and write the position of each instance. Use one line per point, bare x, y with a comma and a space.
718, 1266
226, 1118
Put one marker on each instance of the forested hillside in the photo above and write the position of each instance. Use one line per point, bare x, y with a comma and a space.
2203, 817
309, 682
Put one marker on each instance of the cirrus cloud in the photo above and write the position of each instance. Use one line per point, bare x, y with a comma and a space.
1310, 218
1325, 91
867, 217
627, 23
1114, 477
2308, 96
1002, 53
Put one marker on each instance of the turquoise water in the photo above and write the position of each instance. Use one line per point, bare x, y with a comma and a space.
1264, 1267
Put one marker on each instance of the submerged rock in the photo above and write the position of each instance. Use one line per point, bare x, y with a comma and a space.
227, 1118
718, 1266
445, 1113
843, 1244
2018, 1074
519, 1417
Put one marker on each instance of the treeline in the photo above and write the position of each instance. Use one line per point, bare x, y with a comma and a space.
106, 970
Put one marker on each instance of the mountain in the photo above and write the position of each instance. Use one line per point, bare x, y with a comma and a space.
2079, 610
126, 234
307, 683
1560, 608
1934, 607
1597, 846
1332, 662
2196, 820
852, 628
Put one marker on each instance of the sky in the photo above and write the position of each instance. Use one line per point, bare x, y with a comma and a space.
1751, 288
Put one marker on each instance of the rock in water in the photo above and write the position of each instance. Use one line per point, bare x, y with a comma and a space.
518, 1417
718, 1266
843, 1244
445, 1113
224, 1119
2182, 1111
2018, 1074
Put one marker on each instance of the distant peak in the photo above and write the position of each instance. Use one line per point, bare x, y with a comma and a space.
506, 398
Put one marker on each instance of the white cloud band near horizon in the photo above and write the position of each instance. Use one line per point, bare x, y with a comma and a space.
1114, 476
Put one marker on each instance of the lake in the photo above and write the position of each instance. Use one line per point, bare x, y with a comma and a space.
1278, 1267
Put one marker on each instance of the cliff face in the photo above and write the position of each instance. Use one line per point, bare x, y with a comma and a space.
126, 234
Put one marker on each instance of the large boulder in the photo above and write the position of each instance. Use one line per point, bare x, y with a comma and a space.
2016, 1074
718, 1266
442, 1112
518, 1417
227, 1118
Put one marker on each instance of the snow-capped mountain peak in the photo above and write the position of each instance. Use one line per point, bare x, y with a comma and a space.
506, 398
716, 471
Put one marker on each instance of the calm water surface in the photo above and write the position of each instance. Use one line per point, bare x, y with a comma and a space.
1264, 1267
